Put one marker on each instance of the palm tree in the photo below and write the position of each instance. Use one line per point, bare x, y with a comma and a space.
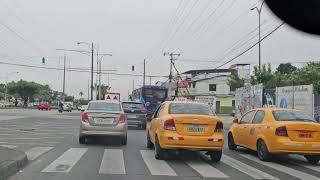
81, 93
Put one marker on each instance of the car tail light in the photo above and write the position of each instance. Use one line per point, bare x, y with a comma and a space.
281, 131
85, 117
219, 127
169, 125
122, 118
143, 110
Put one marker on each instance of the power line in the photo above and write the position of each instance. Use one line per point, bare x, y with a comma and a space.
77, 70
209, 17
245, 51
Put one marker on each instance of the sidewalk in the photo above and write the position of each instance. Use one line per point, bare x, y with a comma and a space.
11, 161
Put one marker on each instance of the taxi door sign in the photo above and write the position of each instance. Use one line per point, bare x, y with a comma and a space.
112, 96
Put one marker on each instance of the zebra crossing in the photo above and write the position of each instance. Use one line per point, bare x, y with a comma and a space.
113, 162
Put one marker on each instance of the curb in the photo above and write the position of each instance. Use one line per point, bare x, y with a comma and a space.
11, 167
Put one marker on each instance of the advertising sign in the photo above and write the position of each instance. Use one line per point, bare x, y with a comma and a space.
247, 98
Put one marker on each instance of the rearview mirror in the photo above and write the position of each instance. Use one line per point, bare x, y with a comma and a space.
236, 120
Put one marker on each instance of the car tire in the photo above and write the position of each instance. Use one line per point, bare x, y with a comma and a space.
262, 151
215, 156
149, 143
82, 140
231, 144
124, 140
159, 152
312, 159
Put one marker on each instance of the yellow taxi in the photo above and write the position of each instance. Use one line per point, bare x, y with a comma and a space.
275, 131
185, 126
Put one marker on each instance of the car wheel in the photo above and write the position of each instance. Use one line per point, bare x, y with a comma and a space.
124, 140
159, 152
231, 144
149, 143
312, 159
263, 152
82, 140
216, 156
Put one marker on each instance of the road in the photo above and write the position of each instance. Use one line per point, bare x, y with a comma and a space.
51, 142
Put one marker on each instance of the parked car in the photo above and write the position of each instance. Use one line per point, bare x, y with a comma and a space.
272, 131
103, 118
185, 126
136, 113
83, 107
43, 106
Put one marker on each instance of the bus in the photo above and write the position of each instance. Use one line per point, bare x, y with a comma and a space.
151, 97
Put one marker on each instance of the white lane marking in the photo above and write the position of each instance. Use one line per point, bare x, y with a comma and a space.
26, 143
9, 146
281, 168
66, 161
35, 152
112, 162
204, 169
156, 167
31, 138
249, 170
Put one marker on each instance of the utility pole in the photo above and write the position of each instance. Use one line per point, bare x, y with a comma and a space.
98, 73
132, 85
91, 98
171, 64
64, 78
88, 89
144, 72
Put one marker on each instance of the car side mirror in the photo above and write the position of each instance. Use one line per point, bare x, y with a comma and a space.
236, 120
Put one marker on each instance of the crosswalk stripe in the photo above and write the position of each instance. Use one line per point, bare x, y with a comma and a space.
249, 170
35, 152
112, 162
204, 169
156, 167
9, 146
281, 168
66, 161
308, 166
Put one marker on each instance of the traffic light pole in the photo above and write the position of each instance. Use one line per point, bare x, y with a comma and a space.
64, 78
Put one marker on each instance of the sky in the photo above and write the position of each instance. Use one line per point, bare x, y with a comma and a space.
206, 33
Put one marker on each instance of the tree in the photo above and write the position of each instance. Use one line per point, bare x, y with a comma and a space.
286, 68
24, 89
69, 98
235, 81
81, 93
264, 75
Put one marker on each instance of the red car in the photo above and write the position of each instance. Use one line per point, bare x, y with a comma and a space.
43, 106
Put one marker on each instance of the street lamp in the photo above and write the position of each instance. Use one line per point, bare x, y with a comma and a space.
5, 94
259, 13
91, 65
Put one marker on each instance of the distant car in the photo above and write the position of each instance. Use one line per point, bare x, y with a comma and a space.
83, 107
136, 113
103, 118
2, 105
67, 107
43, 106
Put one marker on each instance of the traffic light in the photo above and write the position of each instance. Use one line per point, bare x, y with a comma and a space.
132, 68
43, 60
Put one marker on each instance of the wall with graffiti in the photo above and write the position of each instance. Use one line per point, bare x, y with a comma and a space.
247, 98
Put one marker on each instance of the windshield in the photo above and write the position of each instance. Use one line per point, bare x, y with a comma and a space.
126, 105
284, 115
185, 108
104, 106
155, 94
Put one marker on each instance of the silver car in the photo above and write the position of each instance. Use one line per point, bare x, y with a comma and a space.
103, 118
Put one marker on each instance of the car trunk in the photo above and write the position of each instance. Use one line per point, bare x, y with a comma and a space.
103, 118
195, 125
303, 131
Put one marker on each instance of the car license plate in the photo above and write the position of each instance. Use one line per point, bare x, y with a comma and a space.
305, 135
103, 120
195, 128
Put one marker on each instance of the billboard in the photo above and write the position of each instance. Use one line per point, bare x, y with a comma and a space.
247, 98
296, 97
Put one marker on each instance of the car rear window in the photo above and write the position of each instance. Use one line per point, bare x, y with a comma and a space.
103, 106
188, 108
284, 115
127, 105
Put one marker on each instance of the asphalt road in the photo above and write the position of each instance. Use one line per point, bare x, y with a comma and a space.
51, 143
